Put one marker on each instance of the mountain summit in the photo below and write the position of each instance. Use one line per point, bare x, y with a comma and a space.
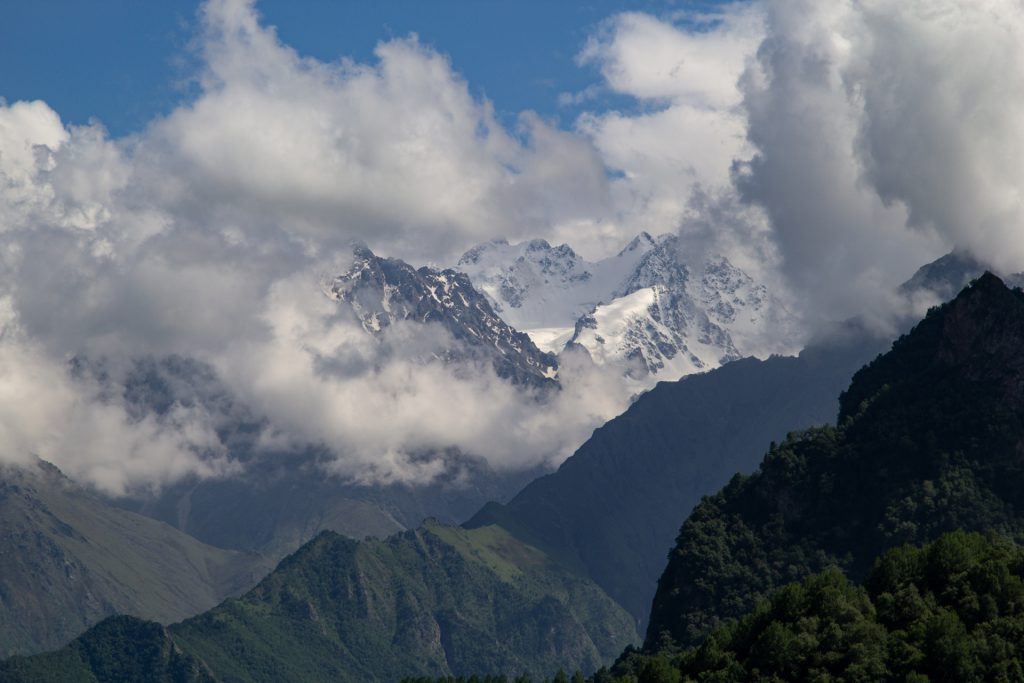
940, 280
383, 291
645, 309
929, 440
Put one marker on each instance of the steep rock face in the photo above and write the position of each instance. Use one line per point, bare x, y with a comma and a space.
644, 310
382, 291
612, 509
68, 559
929, 440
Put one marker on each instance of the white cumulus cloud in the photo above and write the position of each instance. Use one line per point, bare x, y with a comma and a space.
829, 148
202, 236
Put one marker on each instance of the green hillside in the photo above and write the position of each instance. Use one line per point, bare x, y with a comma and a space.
117, 649
68, 559
435, 601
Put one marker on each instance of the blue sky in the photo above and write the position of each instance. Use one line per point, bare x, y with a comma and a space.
124, 61
130, 65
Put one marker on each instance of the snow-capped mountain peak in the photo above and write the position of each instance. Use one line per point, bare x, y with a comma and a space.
509, 273
382, 291
658, 264
642, 242
535, 285
645, 308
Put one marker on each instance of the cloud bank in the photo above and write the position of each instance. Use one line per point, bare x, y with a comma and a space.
204, 235
830, 149
871, 136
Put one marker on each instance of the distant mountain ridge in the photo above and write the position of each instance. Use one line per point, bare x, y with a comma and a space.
69, 559
944, 277
281, 498
613, 508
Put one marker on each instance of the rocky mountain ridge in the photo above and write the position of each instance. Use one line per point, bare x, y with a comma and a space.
382, 291
645, 309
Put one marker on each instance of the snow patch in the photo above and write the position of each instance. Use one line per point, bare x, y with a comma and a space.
645, 309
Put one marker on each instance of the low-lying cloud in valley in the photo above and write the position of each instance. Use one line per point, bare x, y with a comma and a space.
830, 149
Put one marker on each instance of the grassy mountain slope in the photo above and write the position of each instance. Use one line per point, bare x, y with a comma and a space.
930, 439
68, 559
613, 508
435, 601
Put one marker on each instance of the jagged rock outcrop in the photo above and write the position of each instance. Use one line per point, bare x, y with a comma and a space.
646, 309
383, 291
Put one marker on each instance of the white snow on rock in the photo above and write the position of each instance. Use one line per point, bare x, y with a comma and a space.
644, 309
381, 291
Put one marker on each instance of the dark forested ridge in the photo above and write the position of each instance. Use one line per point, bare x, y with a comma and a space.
950, 612
613, 508
930, 440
